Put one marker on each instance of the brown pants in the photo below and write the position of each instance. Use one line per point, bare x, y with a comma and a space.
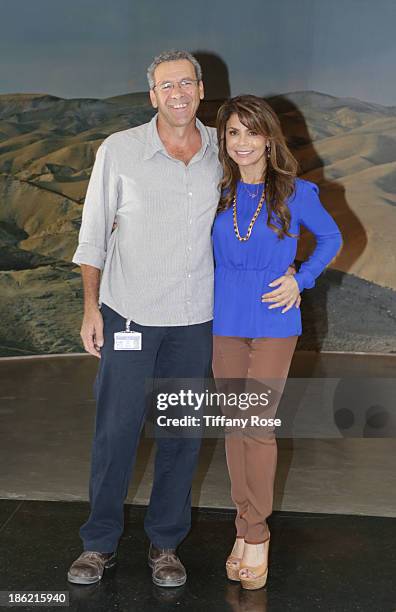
252, 456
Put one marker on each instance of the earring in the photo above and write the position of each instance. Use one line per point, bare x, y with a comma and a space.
268, 150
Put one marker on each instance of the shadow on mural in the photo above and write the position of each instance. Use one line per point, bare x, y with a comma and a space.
47, 149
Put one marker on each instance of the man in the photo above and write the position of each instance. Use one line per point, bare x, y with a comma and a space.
158, 183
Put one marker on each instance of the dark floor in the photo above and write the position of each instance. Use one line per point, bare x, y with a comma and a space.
326, 562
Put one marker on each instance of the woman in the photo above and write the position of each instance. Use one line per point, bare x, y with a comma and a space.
255, 328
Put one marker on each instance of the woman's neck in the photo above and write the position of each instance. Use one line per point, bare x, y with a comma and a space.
251, 175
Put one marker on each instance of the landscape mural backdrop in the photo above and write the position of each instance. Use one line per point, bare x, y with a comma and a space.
71, 75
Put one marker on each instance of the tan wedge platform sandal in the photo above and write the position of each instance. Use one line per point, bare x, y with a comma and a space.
254, 577
233, 566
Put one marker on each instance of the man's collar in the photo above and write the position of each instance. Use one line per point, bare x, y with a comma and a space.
153, 141
155, 144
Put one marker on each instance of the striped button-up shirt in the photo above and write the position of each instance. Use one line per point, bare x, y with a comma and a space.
157, 264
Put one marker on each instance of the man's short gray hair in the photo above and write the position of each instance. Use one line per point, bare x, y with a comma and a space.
172, 56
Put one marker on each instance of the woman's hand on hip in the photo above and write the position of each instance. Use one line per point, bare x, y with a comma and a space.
286, 294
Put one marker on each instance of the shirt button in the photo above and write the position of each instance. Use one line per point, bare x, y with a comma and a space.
189, 275
190, 221
190, 193
189, 248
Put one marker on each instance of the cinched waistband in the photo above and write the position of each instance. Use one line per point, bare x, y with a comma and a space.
266, 269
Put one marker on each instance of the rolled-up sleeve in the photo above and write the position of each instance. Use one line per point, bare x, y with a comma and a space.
317, 220
99, 211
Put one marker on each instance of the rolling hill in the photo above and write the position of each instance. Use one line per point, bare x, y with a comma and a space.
47, 149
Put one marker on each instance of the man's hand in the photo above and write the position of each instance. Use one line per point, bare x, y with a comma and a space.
287, 294
92, 331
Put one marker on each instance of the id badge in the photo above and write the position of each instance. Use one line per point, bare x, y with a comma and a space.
128, 340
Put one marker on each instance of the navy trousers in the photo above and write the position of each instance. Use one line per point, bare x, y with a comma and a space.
121, 405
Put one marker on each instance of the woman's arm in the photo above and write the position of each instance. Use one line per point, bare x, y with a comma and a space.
317, 220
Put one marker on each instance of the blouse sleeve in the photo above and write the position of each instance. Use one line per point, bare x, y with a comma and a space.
99, 211
317, 220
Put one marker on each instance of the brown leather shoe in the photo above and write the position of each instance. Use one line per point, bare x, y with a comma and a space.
168, 570
89, 567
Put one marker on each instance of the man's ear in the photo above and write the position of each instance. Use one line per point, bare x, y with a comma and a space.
201, 90
153, 99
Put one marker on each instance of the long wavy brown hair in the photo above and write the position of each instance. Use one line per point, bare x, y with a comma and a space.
280, 168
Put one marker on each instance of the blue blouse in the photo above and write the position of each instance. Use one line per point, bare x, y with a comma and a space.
244, 269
